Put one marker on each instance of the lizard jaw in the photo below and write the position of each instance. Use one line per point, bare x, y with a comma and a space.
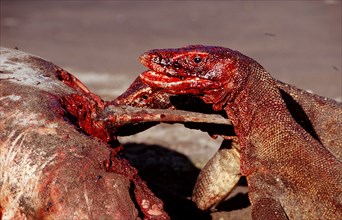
177, 85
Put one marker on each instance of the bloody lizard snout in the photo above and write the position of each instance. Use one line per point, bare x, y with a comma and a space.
144, 58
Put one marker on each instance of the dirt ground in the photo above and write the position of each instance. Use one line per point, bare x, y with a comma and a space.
298, 42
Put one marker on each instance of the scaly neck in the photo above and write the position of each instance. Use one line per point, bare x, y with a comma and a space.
256, 105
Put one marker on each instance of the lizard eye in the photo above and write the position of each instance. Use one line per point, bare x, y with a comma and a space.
197, 59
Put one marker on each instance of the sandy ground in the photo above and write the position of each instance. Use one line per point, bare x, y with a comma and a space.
298, 42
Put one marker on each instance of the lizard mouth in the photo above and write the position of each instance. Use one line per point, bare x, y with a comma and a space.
177, 84
161, 75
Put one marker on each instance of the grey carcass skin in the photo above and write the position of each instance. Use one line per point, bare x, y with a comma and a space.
49, 169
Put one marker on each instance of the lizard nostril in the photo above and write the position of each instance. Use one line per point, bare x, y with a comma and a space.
144, 96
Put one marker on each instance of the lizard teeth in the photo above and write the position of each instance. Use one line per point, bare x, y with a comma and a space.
157, 79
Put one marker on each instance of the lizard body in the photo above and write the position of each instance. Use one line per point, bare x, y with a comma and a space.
290, 173
318, 115
220, 175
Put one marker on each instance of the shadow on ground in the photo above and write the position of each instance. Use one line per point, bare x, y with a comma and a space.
172, 176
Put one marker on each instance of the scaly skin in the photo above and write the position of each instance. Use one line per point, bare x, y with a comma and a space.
318, 115
219, 176
289, 172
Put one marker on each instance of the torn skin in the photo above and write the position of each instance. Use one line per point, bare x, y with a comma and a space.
83, 110
84, 107
87, 108
150, 206
102, 119
77, 85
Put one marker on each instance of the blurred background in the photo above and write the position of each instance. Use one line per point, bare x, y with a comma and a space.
298, 42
